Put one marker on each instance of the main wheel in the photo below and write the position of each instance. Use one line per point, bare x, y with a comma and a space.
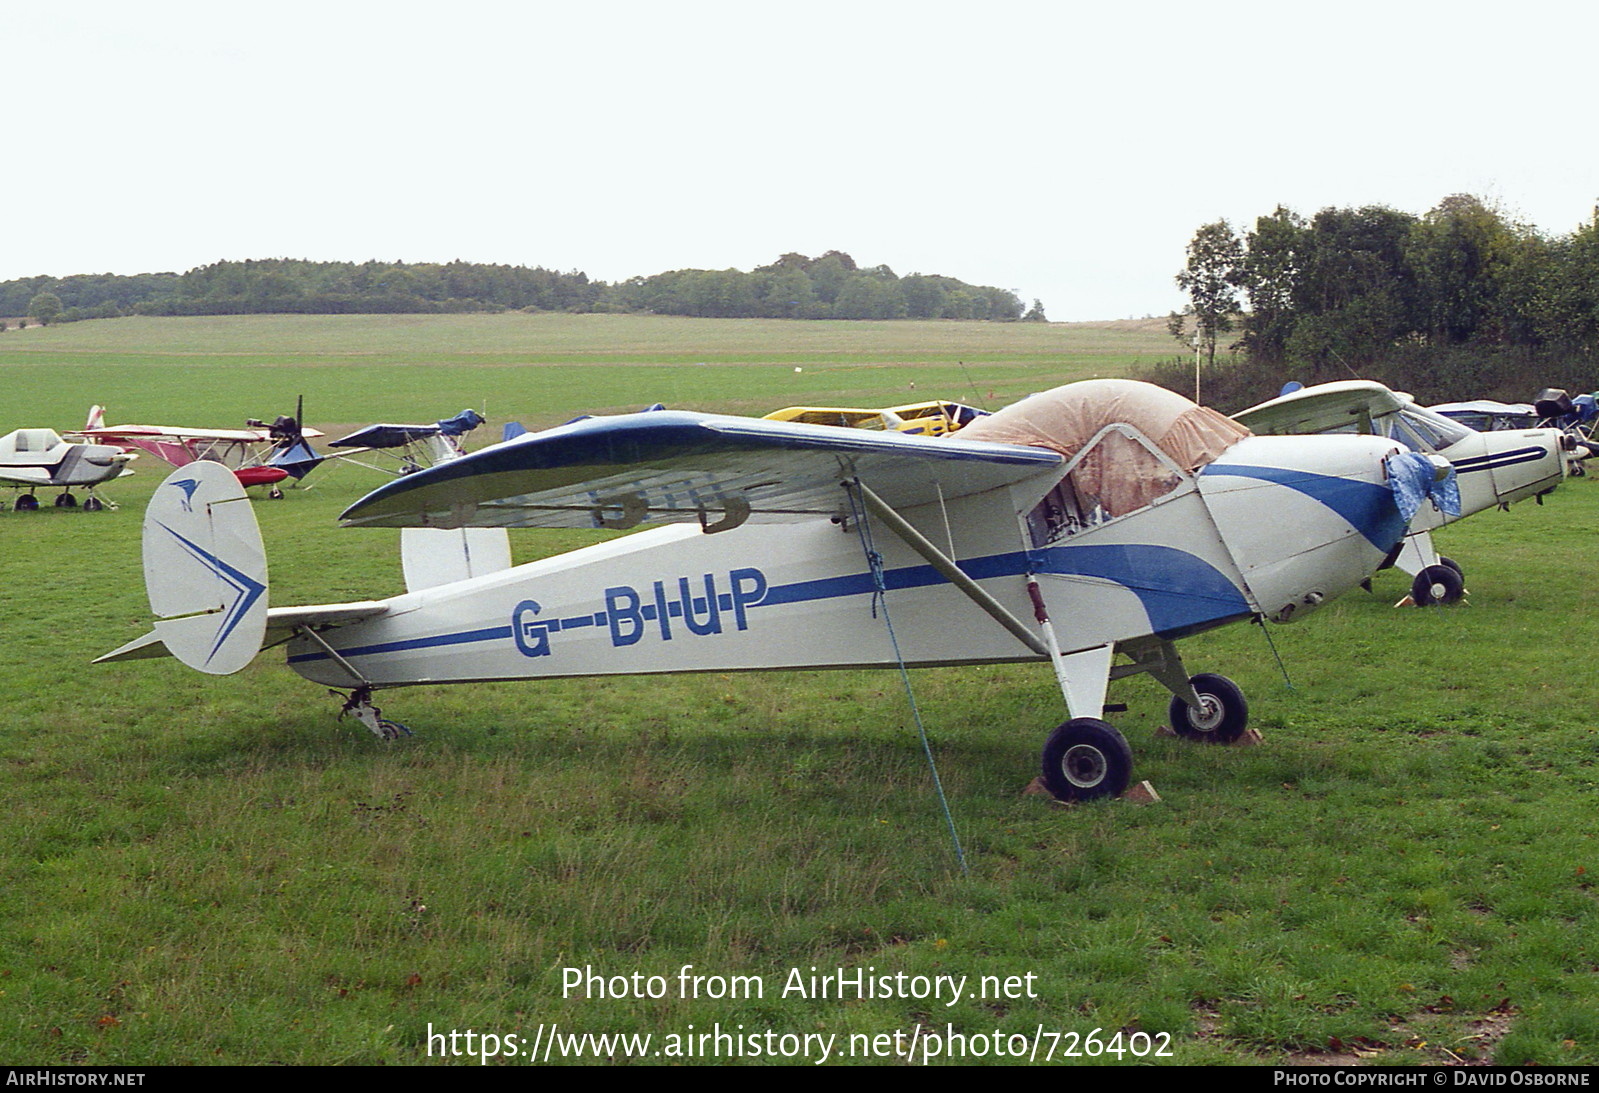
27, 503
92, 504
1085, 758
66, 501
1222, 713
1437, 584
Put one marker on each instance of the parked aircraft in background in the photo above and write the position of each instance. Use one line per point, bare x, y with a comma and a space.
259, 454
936, 418
410, 447
1493, 469
34, 458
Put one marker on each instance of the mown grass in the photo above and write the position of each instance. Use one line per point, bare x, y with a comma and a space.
353, 369
201, 870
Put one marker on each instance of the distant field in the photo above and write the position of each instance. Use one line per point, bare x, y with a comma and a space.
218, 870
536, 368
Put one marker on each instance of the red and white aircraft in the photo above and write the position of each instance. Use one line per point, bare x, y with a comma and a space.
258, 455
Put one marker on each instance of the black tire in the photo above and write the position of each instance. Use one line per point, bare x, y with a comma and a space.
1224, 716
274, 494
92, 504
1437, 584
1452, 564
27, 503
66, 501
1086, 759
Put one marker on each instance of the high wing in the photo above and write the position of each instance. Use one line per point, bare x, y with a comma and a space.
385, 436
1343, 406
673, 465
179, 433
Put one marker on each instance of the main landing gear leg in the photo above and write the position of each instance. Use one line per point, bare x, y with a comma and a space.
1203, 707
359, 704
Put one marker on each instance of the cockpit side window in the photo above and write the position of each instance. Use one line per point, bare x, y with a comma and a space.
1117, 473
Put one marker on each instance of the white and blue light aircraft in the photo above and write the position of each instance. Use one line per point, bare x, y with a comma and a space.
1493, 468
1090, 527
35, 458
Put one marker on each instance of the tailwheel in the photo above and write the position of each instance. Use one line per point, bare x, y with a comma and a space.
391, 730
1085, 759
358, 703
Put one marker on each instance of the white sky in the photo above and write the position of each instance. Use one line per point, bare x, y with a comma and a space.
1064, 150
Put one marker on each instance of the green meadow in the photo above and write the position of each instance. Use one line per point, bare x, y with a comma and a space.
202, 870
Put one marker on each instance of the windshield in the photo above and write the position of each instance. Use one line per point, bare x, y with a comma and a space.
1423, 430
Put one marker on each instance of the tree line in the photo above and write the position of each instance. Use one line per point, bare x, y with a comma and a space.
831, 286
1459, 302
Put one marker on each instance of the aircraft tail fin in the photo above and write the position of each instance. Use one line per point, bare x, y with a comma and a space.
96, 419
205, 572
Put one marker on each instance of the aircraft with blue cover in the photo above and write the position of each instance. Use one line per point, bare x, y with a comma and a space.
1494, 469
411, 447
1090, 527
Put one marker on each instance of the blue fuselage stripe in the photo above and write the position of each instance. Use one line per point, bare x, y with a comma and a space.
1179, 592
1367, 507
1500, 459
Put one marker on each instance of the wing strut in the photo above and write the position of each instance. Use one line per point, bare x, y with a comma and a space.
946, 565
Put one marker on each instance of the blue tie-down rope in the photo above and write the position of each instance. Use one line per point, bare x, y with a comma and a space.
879, 596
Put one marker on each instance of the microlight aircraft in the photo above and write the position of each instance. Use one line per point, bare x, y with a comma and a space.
260, 454
410, 447
1493, 468
1098, 522
31, 458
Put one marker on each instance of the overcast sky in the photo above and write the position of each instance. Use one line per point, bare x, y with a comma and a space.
1067, 151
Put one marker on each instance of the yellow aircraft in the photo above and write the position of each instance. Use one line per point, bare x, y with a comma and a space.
918, 418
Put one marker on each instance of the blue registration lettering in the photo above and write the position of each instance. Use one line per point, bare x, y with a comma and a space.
693, 607
749, 588
623, 614
532, 638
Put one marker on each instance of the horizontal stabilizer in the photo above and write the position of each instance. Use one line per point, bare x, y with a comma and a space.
146, 648
281, 624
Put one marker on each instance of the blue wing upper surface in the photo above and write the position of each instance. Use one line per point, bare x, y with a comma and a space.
676, 465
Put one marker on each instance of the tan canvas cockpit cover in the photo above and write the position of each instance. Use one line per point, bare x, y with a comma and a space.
1120, 475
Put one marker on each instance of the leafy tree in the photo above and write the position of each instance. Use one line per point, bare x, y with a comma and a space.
828, 275
1035, 314
1270, 278
1460, 254
45, 307
1355, 293
1210, 278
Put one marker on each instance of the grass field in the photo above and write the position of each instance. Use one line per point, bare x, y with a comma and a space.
201, 870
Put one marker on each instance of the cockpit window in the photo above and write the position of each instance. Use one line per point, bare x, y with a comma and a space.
1118, 473
1425, 431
